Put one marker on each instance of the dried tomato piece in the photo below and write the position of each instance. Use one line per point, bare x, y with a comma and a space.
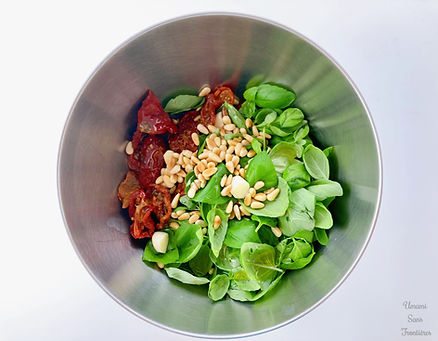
224, 94
128, 186
140, 212
181, 189
183, 138
159, 197
213, 101
147, 160
152, 119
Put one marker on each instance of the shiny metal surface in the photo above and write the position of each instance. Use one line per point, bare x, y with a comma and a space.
191, 51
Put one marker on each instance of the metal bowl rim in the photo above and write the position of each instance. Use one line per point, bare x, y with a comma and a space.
346, 76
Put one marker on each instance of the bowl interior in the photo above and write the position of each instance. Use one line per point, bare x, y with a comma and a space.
190, 52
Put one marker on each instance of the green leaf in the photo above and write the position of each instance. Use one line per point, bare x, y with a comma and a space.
217, 236
228, 259
323, 217
248, 109
188, 239
250, 94
328, 151
255, 81
218, 287
304, 234
321, 236
298, 264
271, 222
211, 193
185, 277
278, 131
187, 202
202, 141
242, 295
301, 133
201, 263
300, 249
290, 118
171, 255
267, 236
275, 208
265, 116
235, 115
316, 162
241, 231
256, 145
323, 189
183, 103
261, 168
283, 155
258, 261
271, 96
296, 176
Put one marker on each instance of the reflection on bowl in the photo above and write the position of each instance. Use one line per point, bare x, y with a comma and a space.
192, 51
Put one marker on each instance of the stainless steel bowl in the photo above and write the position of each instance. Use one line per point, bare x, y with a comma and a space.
191, 51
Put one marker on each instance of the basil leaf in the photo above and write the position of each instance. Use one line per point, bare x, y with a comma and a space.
300, 249
296, 176
290, 118
323, 217
256, 145
243, 295
301, 133
202, 141
266, 236
275, 208
271, 96
261, 168
316, 162
211, 193
218, 287
241, 231
185, 277
323, 189
188, 239
299, 263
283, 155
275, 130
246, 284
255, 81
187, 202
268, 119
235, 115
190, 177
328, 151
265, 116
305, 234
271, 222
201, 263
183, 103
321, 236
228, 259
217, 236
258, 261
248, 109
171, 255
250, 94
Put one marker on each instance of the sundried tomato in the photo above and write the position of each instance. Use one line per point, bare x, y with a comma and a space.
213, 101
183, 138
160, 200
140, 212
152, 119
128, 186
180, 189
147, 160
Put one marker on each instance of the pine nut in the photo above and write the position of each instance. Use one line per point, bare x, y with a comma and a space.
236, 130
160, 265
228, 157
195, 139
216, 222
210, 143
230, 166
238, 148
175, 121
167, 182
230, 150
201, 223
232, 215
172, 190
229, 127
257, 204
235, 160
245, 143
248, 137
216, 150
229, 207
211, 128
229, 180
270, 190
204, 91
243, 152
260, 197
191, 193
248, 123
193, 218
214, 157
232, 143
271, 196
244, 211
201, 167
258, 185
242, 172
129, 149
211, 164
175, 201
237, 212
226, 120
252, 191
236, 172
187, 153
181, 173
184, 216
209, 172
174, 225
203, 183
217, 141
159, 180
223, 180
226, 191
247, 200
174, 215
251, 153
222, 155
175, 155
242, 130
255, 131
180, 179
168, 155
197, 118
201, 178
202, 128
175, 169
174, 178
276, 231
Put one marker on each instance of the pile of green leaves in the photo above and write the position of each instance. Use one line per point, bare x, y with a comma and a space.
247, 258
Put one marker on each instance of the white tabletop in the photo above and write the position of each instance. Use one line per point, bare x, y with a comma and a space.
49, 48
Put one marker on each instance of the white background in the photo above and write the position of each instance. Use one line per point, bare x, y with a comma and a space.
47, 51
